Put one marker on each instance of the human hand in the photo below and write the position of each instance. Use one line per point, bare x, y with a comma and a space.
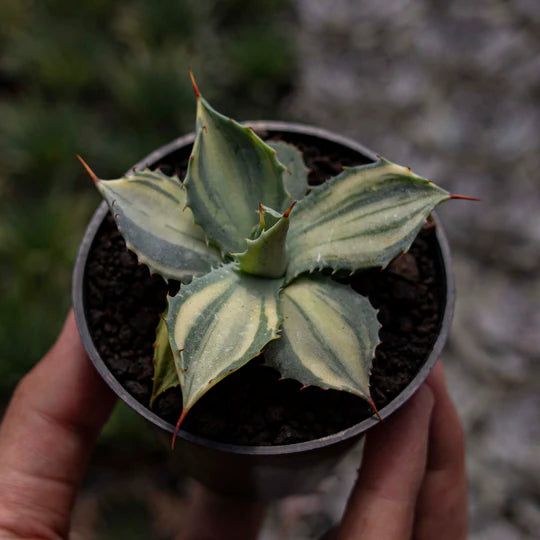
412, 481
46, 438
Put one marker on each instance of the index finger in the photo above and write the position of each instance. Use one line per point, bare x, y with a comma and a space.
382, 504
442, 502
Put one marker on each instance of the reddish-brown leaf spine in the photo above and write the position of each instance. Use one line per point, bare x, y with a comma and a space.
194, 84
92, 174
289, 210
464, 197
372, 403
177, 428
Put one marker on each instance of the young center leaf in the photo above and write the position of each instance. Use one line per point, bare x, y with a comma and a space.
266, 255
217, 324
360, 219
329, 336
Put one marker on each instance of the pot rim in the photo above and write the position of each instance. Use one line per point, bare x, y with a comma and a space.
351, 432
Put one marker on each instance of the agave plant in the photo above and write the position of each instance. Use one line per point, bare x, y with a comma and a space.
249, 240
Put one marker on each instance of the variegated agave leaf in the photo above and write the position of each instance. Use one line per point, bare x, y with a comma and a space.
149, 210
360, 219
295, 178
329, 336
231, 172
165, 375
217, 324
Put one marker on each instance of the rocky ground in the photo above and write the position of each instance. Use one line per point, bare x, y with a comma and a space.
449, 89
453, 93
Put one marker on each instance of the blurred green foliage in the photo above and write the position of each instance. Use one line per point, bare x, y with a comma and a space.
108, 80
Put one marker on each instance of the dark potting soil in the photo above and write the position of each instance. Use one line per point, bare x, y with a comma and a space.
252, 406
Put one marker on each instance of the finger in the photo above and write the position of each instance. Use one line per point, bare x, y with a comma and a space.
46, 438
442, 502
382, 503
212, 516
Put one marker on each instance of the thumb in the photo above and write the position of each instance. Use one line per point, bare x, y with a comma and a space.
46, 439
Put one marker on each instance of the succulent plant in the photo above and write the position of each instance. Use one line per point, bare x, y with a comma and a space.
249, 241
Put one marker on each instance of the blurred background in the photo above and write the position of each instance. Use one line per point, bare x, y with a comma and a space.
449, 89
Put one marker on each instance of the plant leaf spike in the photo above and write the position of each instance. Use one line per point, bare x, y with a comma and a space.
249, 246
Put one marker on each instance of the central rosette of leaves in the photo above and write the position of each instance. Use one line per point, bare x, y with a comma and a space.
250, 260
266, 255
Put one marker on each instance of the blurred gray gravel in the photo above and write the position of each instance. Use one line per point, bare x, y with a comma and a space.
451, 90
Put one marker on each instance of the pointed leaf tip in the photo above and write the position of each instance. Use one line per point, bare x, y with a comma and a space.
464, 197
194, 84
372, 404
177, 428
92, 174
289, 210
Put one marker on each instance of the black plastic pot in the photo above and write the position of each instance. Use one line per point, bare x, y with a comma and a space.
263, 472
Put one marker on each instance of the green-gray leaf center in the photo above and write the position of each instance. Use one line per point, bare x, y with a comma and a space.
266, 255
